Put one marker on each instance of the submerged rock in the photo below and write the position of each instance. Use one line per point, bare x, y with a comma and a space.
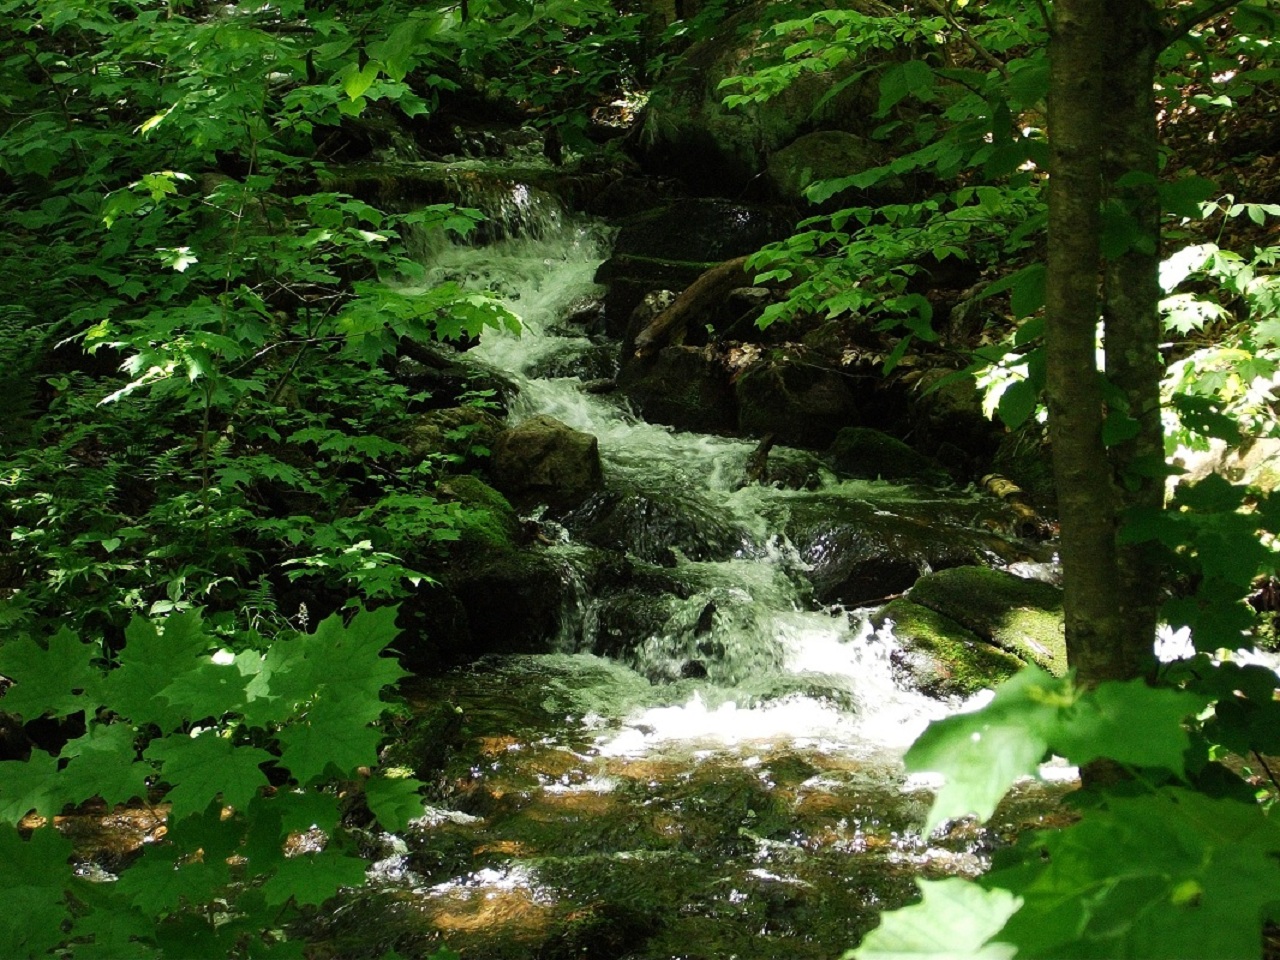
1021, 617
542, 460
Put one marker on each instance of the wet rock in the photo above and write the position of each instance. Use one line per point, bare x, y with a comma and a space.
802, 404
685, 387
545, 461
1021, 617
654, 528
490, 521
939, 656
590, 361
687, 131
857, 552
865, 453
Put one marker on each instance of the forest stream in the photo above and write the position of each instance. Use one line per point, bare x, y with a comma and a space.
726, 781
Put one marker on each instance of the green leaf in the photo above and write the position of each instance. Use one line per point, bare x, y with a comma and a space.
1165, 875
32, 785
312, 878
394, 801
327, 736
956, 920
202, 768
34, 879
1017, 403
981, 754
1129, 722
356, 80
104, 764
48, 679
1183, 197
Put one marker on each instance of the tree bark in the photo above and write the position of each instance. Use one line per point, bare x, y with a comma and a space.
1082, 474
1131, 294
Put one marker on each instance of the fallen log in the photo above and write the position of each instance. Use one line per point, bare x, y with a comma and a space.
668, 327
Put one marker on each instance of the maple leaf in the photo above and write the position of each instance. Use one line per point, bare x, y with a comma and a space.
103, 764
955, 921
394, 801
48, 679
327, 736
314, 877
34, 879
200, 769
32, 785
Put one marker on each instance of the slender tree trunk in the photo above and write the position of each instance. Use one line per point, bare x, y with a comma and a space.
1086, 496
1131, 293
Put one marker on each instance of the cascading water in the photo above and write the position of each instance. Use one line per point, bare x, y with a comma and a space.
727, 785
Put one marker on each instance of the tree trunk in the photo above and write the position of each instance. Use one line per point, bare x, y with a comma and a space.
1131, 294
1082, 474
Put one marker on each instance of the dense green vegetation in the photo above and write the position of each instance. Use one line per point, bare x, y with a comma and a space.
204, 432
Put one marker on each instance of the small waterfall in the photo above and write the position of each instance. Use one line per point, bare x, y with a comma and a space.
725, 782
743, 632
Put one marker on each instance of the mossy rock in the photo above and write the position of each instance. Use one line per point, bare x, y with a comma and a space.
942, 658
490, 520
1022, 617
864, 453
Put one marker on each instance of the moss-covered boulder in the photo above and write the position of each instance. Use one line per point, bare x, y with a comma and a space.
941, 658
868, 454
542, 460
464, 434
490, 522
688, 131
1022, 617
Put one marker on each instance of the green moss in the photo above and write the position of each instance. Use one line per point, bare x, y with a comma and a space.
1023, 617
488, 519
943, 658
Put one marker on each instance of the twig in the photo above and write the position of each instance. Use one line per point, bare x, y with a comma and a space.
1189, 24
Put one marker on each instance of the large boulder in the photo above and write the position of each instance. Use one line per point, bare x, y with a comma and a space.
866, 453
859, 552
685, 387
941, 658
687, 130
801, 403
542, 460
671, 246
823, 155
1021, 617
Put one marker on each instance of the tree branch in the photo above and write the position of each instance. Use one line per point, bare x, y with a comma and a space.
1175, 34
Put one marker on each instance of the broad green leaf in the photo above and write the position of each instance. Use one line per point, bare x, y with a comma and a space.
1165, 875
357, 80
32, 785
104, 764
394, 801
327, 736
34, 879
48, 679
1017, 403
1129, 722
312, 878
981, 754
200, 769
956, 920
153, 655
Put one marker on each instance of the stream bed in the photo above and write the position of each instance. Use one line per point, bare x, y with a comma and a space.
706, 764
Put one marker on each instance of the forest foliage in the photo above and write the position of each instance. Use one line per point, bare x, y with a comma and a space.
167, 221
